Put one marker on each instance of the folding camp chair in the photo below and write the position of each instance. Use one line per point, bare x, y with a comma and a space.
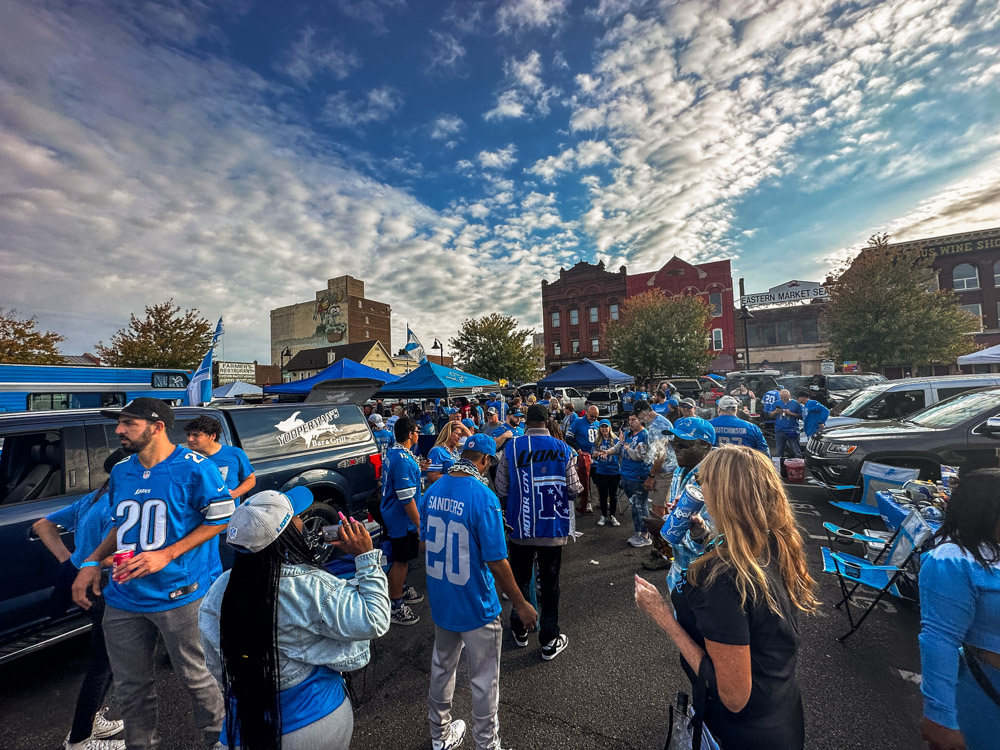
853, 572
876, 477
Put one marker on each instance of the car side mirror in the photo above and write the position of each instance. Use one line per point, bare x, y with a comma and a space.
992, 426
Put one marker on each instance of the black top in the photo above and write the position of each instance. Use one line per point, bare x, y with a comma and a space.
715, 613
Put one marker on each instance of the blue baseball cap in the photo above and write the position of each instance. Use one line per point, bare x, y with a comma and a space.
469, 423
672, 402
692, 428
481, 444
604, 423
451, 410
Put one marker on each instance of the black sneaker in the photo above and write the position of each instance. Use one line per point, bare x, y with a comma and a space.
520, 640
403, 615
412, 596
553, 647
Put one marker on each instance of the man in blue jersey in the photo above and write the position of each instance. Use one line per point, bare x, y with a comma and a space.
383, 437
659, 403
466, 553
786, 415
400, 513
538, 479
731, 430
768, 401
814, 414
167, 502
628, 400
581, 435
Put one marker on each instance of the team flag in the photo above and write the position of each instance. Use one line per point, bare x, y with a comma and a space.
414, 349
199, 390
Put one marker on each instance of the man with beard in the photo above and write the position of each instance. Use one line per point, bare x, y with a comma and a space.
166, 502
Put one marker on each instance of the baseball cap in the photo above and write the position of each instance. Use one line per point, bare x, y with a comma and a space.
641, 405
144, 407
517, 413
376, 419
692, 428
728, 402
492, 410
604, 423
537, 413
261, 518
451, 410
469, 423
671, 402
481, 444
689, 402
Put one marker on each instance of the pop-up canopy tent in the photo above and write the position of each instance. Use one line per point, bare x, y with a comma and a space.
984, 357
585, 374
342, 368
435, 381
234, 390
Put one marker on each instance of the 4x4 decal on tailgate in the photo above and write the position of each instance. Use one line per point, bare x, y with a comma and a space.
294, 428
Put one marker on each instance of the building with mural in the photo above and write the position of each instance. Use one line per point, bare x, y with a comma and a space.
340, 314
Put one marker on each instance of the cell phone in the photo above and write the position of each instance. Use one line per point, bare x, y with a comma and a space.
332, 533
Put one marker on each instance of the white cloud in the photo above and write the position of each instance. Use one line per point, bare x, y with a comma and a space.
526, 93
446, 126
508, 105
374, 106
308, 58
446, 53
501, 159
527, 14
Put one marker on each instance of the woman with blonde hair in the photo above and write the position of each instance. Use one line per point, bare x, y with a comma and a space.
738, 603
445, 452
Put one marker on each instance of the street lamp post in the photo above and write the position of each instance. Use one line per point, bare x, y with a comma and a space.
745, 315
438, 345
285, 353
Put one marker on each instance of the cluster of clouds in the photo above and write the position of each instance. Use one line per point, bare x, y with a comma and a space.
132, 170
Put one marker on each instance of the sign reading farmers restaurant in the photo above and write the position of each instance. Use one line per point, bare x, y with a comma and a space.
230, 372
790, 291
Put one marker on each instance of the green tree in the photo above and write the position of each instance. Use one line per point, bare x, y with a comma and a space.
165, 338
885, 309
22, 343
493, 348
660, 335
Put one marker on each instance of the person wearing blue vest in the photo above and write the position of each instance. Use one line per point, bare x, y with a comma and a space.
466, 554
786, 415
731, 430
537, 477
383, 437
814, 414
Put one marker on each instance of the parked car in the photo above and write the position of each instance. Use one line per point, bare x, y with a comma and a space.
573, 395
51, 459
842, 385
692, 387
962, 431
607, 400
758, 381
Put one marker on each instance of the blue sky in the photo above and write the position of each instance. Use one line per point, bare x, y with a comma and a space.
234, 155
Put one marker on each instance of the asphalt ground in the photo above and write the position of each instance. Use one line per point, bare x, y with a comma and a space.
608, 690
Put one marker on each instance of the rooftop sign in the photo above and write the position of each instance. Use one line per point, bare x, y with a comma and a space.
790, 291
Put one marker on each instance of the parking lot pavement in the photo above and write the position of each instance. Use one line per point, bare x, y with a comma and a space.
609, 690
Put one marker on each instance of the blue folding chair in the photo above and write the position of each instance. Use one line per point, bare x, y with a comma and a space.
876, 477
853, 572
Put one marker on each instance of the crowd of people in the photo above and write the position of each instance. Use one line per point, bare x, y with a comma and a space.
263, 647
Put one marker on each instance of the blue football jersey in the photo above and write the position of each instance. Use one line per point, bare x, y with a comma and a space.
383, 439
400, 486
585, 433
89, 518
154, 508
233, 465
441, 459
463, 529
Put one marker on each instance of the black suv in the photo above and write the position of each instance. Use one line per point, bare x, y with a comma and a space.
50, 459
962, 431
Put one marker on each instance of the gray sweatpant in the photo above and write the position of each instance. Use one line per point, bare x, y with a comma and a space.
131, 643
482, 650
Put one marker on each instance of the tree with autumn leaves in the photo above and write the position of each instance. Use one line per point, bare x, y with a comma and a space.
164, 338
22, 343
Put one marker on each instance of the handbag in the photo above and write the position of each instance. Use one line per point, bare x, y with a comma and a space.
976, 670
687, 730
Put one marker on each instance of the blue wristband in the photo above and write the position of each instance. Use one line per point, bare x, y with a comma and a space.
90, 564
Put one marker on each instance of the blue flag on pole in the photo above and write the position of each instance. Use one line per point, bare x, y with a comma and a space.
414, 349
199, 390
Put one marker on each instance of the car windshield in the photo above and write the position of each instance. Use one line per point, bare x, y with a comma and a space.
603, 395
957, 409
851, 382
759, 384
856, 402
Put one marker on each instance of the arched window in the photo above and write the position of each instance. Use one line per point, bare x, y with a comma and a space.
965, 276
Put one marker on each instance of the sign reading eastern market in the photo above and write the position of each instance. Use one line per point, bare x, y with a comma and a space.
790, 291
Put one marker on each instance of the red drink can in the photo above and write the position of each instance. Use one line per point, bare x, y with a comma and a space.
121, 556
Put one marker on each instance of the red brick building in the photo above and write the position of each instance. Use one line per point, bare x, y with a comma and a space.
577, 305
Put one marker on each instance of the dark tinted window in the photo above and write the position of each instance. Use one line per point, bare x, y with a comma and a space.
169, 380
784, 335
32, 467
266, 431
59, 401
810, 331
851, 382
944, 393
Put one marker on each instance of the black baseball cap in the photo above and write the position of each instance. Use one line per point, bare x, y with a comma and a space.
641, 405
537, 413
144, 407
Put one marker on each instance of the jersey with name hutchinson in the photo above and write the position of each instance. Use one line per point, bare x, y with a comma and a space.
155, 508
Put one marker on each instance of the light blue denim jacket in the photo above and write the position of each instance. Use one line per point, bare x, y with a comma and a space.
322, 619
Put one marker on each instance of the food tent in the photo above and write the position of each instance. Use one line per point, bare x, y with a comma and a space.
584, 374
236, 389
983, 357
342, 368
435, 381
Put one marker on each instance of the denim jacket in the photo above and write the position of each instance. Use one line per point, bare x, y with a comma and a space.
322, 619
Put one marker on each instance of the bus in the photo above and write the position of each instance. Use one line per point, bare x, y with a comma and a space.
57, 387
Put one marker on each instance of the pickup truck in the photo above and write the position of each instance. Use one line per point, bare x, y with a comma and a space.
50, 459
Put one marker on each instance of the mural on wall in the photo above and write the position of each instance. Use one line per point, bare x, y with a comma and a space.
330, 320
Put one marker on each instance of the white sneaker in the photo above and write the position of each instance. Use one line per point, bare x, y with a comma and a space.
615, 522
453, 736
644, 541
105, 727
601, 521
94, 744
554, 647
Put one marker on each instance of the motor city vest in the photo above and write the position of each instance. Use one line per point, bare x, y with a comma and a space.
538, 503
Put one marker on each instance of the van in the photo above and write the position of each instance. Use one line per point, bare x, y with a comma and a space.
896, 399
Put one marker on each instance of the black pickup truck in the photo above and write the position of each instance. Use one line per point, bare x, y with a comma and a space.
50, 459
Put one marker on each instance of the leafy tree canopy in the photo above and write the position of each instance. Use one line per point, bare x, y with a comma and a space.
660, 335
22, 343
164, 338
885, 309
493, 348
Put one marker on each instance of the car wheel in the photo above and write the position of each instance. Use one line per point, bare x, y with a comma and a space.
314, 518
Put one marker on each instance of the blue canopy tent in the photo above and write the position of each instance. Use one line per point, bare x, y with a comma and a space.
585, 374
342, 368
237, 389
435, 381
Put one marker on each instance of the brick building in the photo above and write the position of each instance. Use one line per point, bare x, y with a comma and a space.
340, 314
575, 308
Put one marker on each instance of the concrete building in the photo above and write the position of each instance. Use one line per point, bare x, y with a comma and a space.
786, 338
340, 314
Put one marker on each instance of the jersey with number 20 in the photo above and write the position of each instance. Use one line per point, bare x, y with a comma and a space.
154, 508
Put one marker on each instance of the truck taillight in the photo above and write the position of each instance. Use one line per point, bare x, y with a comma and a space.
376, 460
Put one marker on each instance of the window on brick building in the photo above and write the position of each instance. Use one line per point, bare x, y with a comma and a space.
555, 320
715, 302
556, 348
595, 345
575, 346
810, 331
593, 314
717, 339
976, 310
965, 276
614, 312
574, 317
